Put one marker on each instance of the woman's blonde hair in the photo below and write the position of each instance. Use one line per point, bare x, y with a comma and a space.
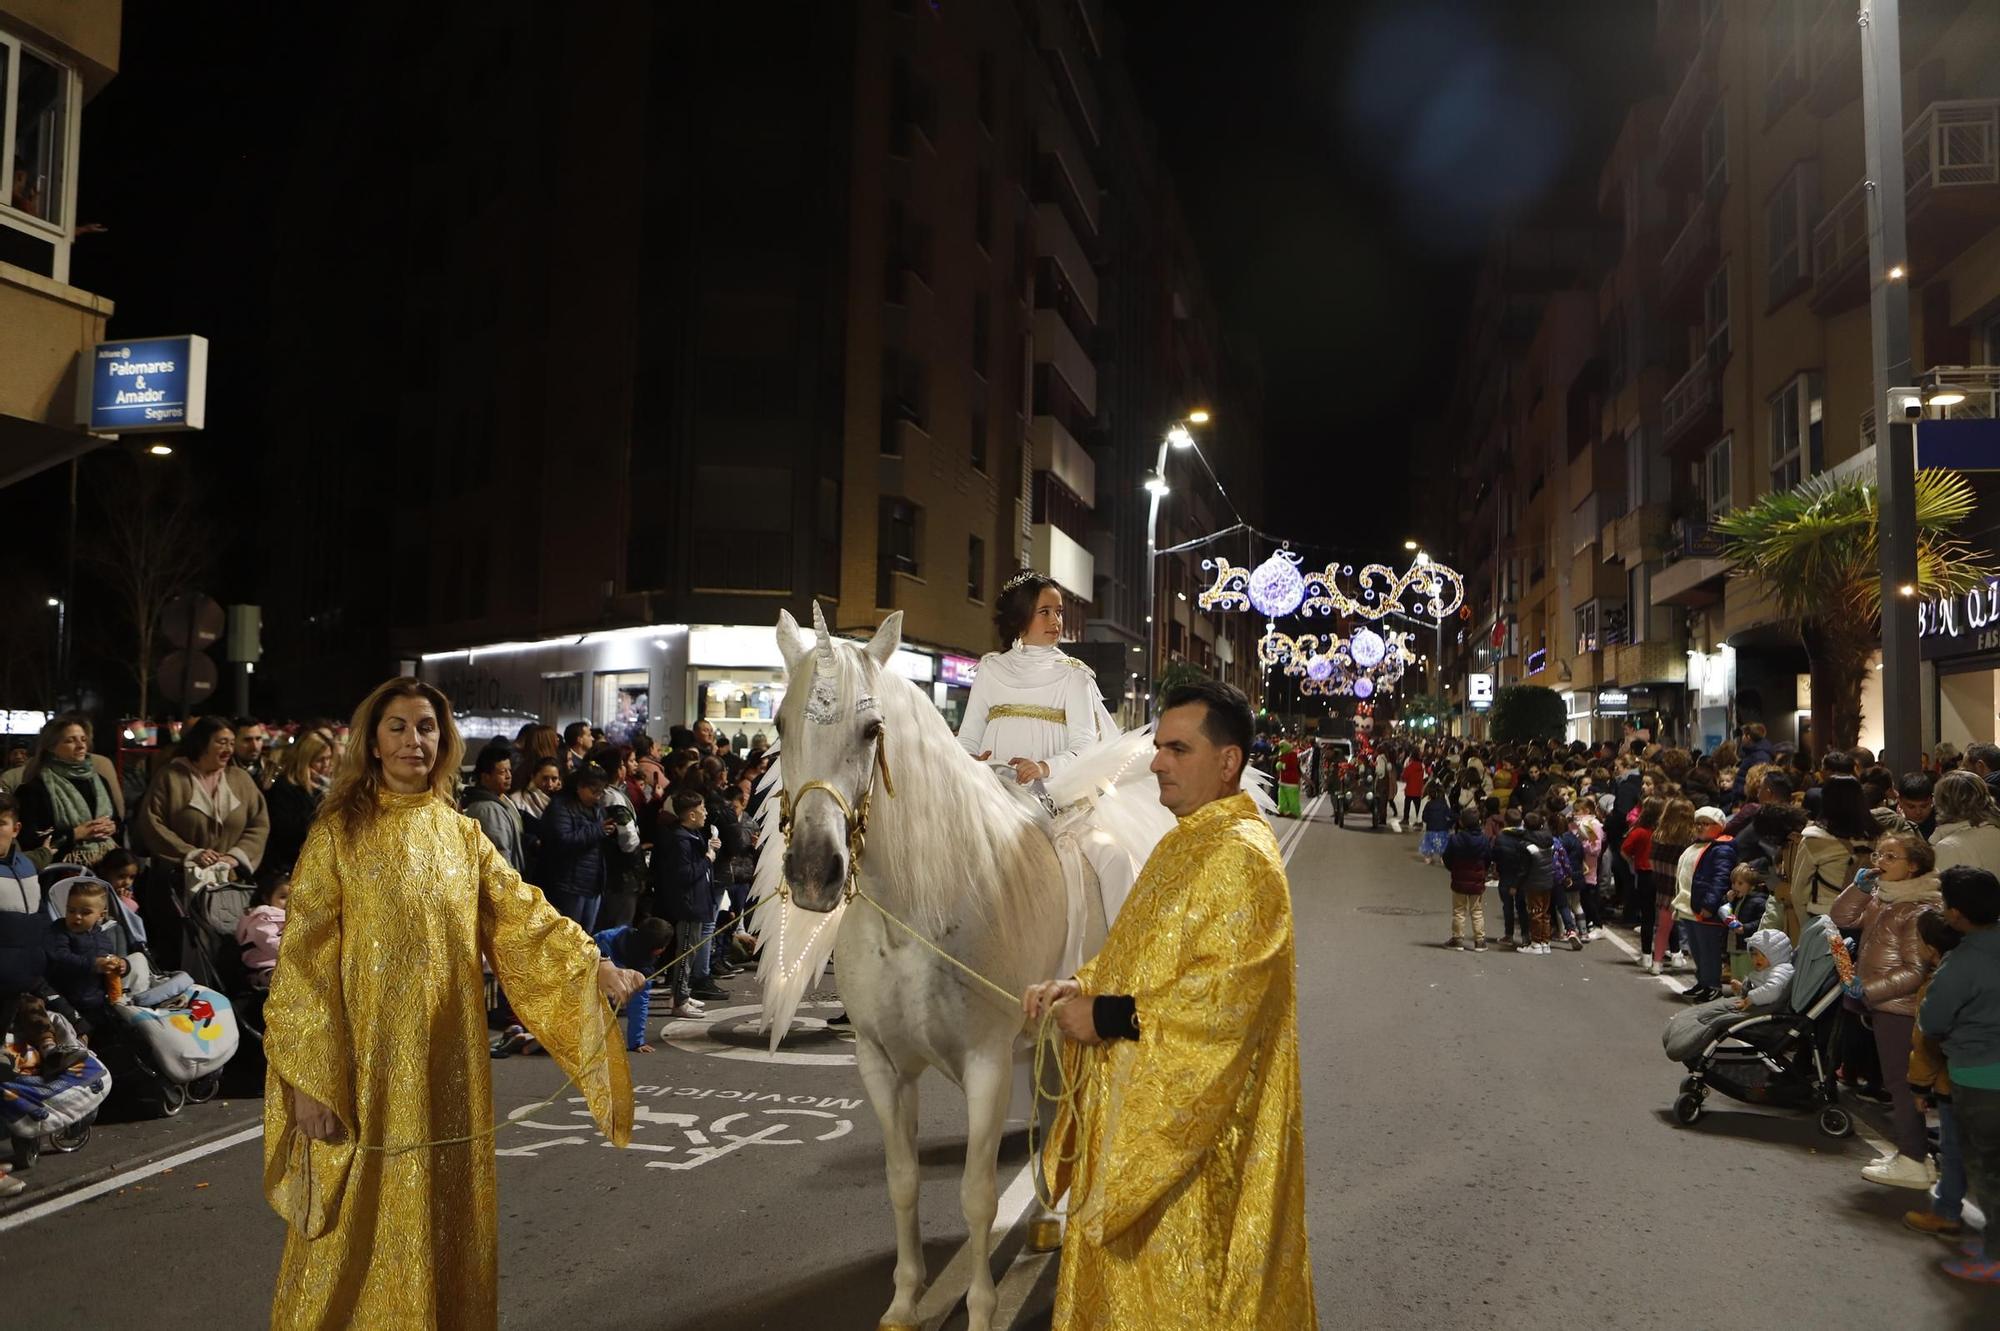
1676, 826
1961, 797
295, 764
357, 784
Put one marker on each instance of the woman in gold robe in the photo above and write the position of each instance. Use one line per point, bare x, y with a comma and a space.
378, 1113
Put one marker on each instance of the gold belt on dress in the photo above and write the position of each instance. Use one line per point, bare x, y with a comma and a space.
1021, 709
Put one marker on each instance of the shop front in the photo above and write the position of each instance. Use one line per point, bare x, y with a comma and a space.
1959, 637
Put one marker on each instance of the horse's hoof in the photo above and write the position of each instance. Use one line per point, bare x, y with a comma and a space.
1044, 1235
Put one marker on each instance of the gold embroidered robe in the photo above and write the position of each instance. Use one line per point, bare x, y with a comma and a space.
1187, 1192
377, 1010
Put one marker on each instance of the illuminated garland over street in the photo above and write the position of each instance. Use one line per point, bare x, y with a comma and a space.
1361, 665
1278, 587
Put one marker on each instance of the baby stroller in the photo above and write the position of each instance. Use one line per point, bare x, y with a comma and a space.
56, 1113
214, 905
171, 1036
1783, 1059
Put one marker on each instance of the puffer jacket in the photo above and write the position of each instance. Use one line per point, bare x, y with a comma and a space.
1466, 855
1822, 867
1965, 843
22, 923
1895, 961
1710, 887
572, 849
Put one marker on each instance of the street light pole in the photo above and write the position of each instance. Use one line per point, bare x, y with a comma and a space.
1156, 486
1889, 335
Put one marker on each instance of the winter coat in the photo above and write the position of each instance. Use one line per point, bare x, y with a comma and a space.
1894, 960
71, 961
1928, 1072
292, 811
1541, 863
1627, 793
1710, 886
572, 854
1962, 1009
177, 817
22, 923
257, 933
500, 819
1466, 855
683, 879
1590, 835
1965, 843
1638, 848
1754, 752
1512, 858
1822, 867
735, 845
1413, 779
38, 813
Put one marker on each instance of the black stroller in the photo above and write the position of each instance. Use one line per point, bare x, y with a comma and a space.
1782, 1059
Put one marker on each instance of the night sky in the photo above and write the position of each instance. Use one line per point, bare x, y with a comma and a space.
1341, 164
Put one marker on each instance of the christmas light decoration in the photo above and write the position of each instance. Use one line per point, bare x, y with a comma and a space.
1276, 589
1363, 689
1367, 648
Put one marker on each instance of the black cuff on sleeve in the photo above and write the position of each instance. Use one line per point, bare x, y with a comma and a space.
1116, 1016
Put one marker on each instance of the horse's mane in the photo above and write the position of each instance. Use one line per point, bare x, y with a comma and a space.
953, 837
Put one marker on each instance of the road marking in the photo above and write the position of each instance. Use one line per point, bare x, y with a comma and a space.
126, 1179
1297, 834
945, 1293
697, 1036
1861, 1128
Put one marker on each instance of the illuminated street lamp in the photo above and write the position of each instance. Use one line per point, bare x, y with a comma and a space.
1177, 436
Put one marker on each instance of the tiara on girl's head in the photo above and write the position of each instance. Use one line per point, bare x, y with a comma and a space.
1025, 576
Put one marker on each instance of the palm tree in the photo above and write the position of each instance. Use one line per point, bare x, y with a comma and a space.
1815, 549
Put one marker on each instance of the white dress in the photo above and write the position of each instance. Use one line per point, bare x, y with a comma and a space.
1033, 702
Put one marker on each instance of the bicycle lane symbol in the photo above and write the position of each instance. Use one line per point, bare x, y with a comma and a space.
696, 1145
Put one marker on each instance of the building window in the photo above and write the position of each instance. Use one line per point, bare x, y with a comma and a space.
1715, 319
1796, 435
905, 397
982, 217
1715, 151
1784, 57
975, 569
35, 95
1586, 629
898, 538
1788, 235
977, 449
1716, 478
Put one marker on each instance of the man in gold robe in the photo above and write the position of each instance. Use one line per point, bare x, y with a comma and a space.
1183, 1151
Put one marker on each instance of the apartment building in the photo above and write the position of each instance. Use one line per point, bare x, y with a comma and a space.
55, 55
1733, 353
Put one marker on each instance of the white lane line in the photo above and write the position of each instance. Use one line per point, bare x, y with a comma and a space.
63, 1203
1861, 1128
1295, 835
945, 1292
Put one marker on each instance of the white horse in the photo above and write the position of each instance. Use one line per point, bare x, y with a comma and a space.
964, 863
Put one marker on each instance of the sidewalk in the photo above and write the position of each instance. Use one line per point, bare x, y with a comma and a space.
116, 1148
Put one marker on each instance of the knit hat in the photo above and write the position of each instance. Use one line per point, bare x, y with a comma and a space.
1776, 947
1708, 813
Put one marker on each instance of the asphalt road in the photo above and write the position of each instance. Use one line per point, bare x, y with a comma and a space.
1489, 1145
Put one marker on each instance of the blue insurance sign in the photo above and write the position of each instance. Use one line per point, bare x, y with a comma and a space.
151, 385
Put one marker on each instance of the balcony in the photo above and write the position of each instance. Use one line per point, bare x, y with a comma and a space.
1584, 525
1065, 38
1057, 348
1840, 253
1056, 240
1681, 127
1951, 172
1638, 537
1697, 575
1691, 411
1688, 263
1057, 451
1054, 553
1662, 661
1063, 151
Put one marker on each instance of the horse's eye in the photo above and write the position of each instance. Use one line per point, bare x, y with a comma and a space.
873, 730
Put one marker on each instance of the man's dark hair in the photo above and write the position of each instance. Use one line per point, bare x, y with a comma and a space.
584, 774
1843, 809
245, 722
1534, 820
490, 757
1781, 782
1973, 893
1228, 722
1837, 762
653, 934
1915, 786
687, 799
1984, 755
572, 730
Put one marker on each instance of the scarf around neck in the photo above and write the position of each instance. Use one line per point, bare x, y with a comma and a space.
70, 808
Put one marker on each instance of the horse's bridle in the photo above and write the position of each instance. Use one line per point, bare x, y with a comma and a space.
855, 815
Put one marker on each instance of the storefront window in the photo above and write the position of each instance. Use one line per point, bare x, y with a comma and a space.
747, 696
562, 699
623, 704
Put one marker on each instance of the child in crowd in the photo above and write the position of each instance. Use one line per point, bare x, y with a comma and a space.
1962, 1013
1466, 854
79, 957
1511, 862
42, 1041
21, 920
1931, 1080
1771, 964
1587, 822
1539, 881
1438, 820
637, 947
1566, 871
120, 868
262, 926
